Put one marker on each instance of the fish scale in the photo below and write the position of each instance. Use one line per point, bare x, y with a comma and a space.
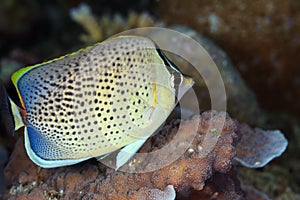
94, 101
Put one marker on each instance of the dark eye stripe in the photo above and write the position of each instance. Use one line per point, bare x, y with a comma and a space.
173, 69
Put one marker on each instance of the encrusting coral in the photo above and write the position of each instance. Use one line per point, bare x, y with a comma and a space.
93, 180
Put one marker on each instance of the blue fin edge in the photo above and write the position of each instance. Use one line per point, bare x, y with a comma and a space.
47, 163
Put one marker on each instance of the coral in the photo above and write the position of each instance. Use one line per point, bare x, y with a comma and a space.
99, 29
258, 147
83, 16
220, 186
279, 179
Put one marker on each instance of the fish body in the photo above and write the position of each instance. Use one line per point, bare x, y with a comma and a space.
95, 101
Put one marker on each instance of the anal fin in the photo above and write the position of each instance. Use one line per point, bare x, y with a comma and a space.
127, 152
